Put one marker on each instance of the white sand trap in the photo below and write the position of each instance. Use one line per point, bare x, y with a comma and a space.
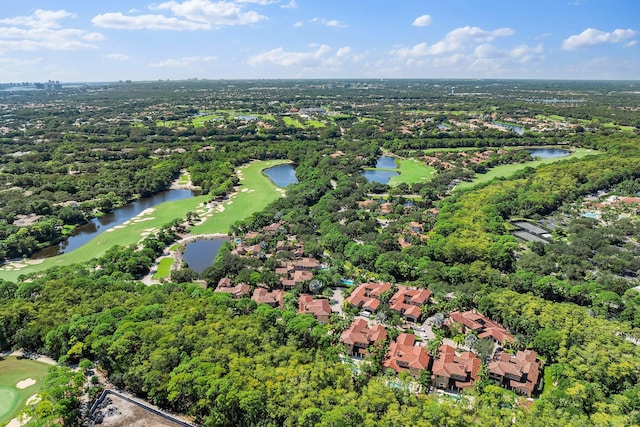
149, 218
35, 398
147, 211
25, 383
244, 190
18, 422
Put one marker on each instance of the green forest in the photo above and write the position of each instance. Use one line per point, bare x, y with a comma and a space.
571, 296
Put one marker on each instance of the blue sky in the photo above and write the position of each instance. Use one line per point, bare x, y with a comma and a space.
89, 40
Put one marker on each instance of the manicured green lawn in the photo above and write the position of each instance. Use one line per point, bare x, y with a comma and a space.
200, 121
315, 123
508, 170
12, 370
411, 171
291, 122
257, 191
126, 235
164, 268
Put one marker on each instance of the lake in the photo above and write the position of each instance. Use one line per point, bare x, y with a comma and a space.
96, 226
200, 254
548, 153
386, 162
379, 175
517, 129
282, 175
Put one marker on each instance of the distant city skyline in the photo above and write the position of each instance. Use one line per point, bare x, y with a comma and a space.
84, 41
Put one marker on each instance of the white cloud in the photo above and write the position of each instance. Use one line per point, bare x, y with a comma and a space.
298, 24
39, 19
213, 13
592, 36
182, 62
322, 57
291, 5
42, 30
631, 43
146, 22
117, 56
187, 15
12, 38
455, 41
422, 21
328, 22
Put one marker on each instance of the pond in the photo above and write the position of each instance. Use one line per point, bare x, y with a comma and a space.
379, 175
386, 162
282, 175
517, 129
200, 254
548, 153
96, 226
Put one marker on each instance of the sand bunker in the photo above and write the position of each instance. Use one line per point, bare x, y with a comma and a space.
33, 399
25, 383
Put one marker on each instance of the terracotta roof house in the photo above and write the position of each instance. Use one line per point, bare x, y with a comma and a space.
386, 208
405, 356
520, 373
294, 278
359, 337
365, 296
273, 298
306, 264
272, 228
408, 302
453, 372
486, 328
238, 291
318, 307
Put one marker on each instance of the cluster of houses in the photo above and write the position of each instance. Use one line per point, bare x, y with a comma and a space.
450, 160
450, 369
292, 272
594, 209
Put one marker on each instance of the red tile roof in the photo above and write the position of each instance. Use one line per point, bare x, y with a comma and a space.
522, 370
317, 307
463, 369
361, 335
273, 298
365, 295
484, 326
407, 302
404, 355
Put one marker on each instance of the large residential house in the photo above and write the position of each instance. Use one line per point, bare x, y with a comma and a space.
273, 298
405, 356
485, 327
318, 307
520, 373
365, 296
238, 291
359, 337
408, 302
453, 372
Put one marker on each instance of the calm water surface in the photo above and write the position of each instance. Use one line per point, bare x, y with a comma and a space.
97, 226
549, 153
201, 253
282, 175
378, 175
386, 162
